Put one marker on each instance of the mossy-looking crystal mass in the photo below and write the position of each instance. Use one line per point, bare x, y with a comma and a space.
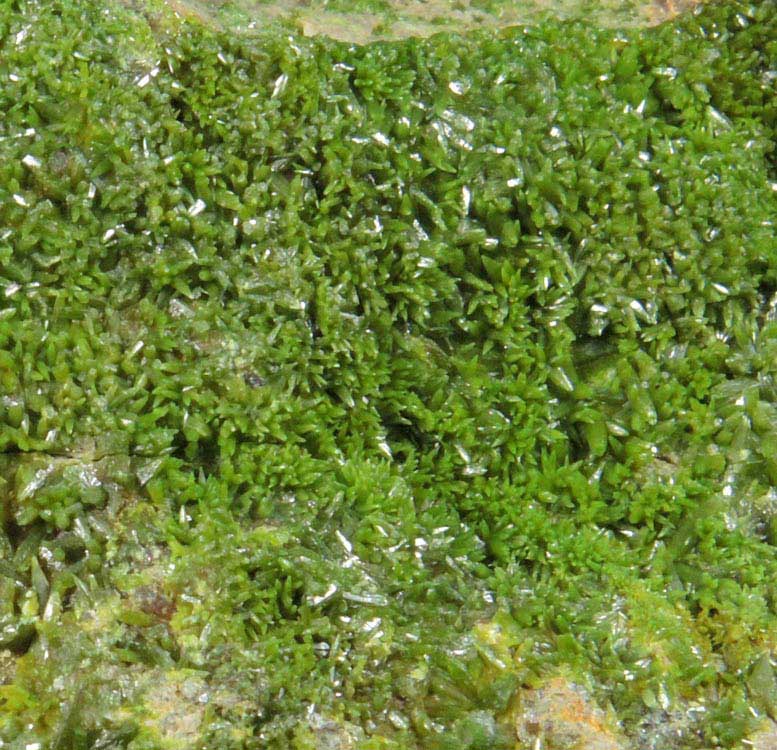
363, 397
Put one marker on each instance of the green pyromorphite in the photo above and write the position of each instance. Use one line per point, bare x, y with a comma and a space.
386, 397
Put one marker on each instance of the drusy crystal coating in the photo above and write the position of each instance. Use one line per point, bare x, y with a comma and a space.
403, 397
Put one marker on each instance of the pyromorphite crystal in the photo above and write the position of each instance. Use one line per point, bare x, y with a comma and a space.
394, 396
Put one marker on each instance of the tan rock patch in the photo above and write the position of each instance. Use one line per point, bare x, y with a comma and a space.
560, 716
176, 707
765, 738
407, 18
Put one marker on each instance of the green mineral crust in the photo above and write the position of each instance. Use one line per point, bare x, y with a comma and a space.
419, 395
